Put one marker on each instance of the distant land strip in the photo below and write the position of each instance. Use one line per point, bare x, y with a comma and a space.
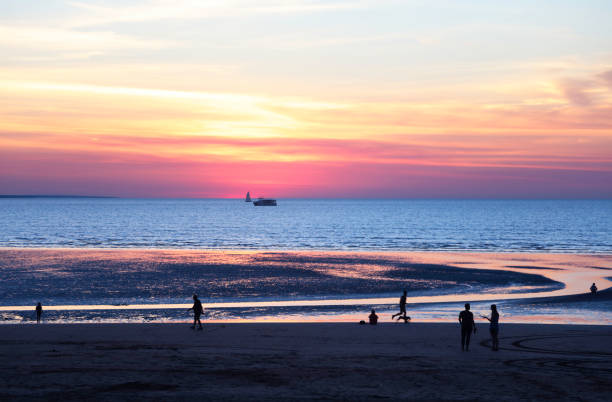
52, 196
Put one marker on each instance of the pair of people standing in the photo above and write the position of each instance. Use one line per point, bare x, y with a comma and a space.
466, 319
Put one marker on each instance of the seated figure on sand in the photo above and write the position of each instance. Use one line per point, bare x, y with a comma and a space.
373, 318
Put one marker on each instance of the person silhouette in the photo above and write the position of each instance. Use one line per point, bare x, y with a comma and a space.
373, 318
493, 327
593, 289
197, 312
38, 312
402, 313
466, 319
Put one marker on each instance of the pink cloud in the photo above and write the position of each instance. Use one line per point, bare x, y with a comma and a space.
147, 176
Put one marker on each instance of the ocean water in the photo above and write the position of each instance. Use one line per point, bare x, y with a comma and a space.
560, 226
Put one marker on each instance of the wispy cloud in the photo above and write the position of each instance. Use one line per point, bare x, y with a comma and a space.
294, 42
595, 90
39, 43
577, 92
155, 10
84, 55
606, 76
128, 172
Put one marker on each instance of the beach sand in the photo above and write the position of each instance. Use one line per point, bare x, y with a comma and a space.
288, 361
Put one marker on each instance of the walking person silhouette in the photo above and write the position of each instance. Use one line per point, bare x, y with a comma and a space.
38, 312
466, 319
197, 312
493, 327
402, 313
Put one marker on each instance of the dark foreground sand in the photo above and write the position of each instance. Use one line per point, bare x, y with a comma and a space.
302, 361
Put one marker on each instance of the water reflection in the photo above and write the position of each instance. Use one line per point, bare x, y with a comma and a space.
155, 285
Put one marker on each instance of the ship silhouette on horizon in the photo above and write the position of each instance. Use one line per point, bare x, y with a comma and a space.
260, 202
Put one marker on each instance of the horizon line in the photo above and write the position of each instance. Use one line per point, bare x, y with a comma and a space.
8, 196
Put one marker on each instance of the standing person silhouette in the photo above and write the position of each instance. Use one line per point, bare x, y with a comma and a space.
493, 327
197, 312
593, 289
402, 305
373, 318
38, 312
466, 319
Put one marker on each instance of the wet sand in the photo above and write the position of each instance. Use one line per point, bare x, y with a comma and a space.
337, 361
291, 277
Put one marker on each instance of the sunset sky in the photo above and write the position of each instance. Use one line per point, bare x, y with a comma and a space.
295, 98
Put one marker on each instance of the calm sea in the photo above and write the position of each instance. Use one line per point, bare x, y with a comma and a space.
572, 226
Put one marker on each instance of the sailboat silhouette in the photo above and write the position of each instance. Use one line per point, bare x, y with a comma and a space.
248, 197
